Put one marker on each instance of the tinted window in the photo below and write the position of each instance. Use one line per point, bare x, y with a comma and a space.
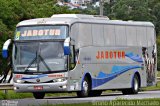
131, 35
109, 35
120, 35
141, 36
150, 36
84, 35
97, 34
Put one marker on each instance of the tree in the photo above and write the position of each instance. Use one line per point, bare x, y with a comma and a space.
156, 13
3, 36
132, 10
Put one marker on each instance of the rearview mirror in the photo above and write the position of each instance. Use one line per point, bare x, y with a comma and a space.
5, 48
67, 50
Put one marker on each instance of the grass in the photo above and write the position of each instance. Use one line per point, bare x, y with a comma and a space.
77, 104
60, 94
117, 102
13, 95
151, 88
158, 74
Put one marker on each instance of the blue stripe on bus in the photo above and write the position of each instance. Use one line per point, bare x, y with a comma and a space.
102, 77
34, 77
136, 58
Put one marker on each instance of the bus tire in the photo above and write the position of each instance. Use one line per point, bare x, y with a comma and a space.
135, 87
86, 88
38, 95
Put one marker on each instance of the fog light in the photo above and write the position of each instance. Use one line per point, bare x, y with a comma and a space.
15, 88
64, 87
20, 81
59, 80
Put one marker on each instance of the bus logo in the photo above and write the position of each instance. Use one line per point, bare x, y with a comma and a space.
110, 55
38, 80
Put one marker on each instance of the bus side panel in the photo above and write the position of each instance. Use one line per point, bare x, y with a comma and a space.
109, 67
103, 60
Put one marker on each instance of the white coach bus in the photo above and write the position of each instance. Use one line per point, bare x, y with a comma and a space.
84, 54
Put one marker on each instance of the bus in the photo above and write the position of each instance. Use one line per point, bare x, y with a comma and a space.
85, 54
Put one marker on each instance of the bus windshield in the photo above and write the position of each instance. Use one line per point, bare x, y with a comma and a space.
41, 32
39, 57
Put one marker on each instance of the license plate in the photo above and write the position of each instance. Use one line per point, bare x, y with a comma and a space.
38, 87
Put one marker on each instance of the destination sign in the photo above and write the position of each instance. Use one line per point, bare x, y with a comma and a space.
41, 32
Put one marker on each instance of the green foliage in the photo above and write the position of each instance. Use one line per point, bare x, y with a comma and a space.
13, 95
36, 8
116, 102
158, 52
107, 9
156, 12
132, 10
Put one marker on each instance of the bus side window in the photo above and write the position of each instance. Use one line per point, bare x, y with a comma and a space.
141, 36
131, 36
109, 35
97, 35
121, 39
150, 36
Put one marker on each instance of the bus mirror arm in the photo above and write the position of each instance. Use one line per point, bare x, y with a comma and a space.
6, 45
72, 42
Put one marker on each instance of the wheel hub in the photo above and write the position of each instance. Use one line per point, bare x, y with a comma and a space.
135, 84
85, 86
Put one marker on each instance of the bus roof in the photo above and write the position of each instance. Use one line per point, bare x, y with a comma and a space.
73, 18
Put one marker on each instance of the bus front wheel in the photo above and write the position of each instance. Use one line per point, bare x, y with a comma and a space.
38, 95
85, 88
135, 87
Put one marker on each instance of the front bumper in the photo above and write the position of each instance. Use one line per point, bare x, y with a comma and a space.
47, 87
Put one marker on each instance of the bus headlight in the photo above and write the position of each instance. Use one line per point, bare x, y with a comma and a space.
59, 79
19, 81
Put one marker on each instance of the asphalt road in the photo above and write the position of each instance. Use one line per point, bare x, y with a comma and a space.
69, 100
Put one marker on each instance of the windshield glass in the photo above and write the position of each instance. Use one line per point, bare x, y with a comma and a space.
41, 32
39, 57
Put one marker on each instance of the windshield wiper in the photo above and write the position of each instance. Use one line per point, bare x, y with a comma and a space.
27, 68
44, 63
